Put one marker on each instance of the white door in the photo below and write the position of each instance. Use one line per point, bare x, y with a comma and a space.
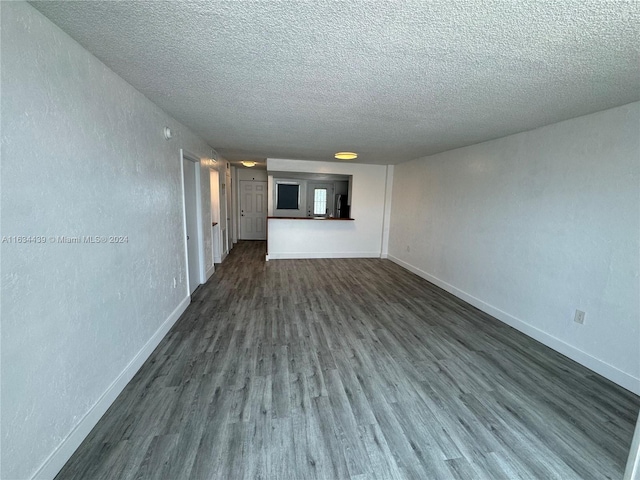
191, 220
319, 199
253, 210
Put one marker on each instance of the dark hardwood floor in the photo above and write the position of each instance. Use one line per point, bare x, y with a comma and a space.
352, 369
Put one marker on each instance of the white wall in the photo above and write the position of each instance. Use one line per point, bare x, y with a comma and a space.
83, 153
246, 173
533, 226
333, 238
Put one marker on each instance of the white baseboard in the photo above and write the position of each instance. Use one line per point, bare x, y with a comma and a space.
211, 271
302, 255
52, 465
632, 471
614, 374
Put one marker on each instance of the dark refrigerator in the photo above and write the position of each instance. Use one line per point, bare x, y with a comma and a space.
341, 207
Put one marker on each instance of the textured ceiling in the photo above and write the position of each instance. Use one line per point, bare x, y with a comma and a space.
391, 80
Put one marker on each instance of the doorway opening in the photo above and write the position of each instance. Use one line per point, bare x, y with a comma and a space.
216, 235
320, 199
192, 213
227, 193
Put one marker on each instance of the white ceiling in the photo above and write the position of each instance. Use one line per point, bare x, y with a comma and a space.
391, 80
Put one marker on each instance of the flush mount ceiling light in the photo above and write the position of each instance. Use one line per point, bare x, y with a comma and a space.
247, 163
346, 155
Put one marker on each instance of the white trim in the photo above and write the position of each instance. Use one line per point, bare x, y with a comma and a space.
202, 278
609, 371
632, 471
184, 223
211, 271
235, 203
54, 462
199, 214
231, 223
216, 242
302, 255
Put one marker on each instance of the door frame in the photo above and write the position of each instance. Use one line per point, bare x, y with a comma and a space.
224, 221
187, 156
216, 240
229, 207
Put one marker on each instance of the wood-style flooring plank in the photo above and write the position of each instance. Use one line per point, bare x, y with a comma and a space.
352, 369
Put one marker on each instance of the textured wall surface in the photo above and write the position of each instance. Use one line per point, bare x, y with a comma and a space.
83, 153
251, 174
533, 226
330, 239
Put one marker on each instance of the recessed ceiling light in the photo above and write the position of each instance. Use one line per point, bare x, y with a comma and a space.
346, 155
247, 163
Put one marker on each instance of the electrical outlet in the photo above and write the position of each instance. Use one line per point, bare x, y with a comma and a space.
174, 282
579, 317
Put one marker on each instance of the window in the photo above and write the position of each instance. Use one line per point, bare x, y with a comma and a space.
319, 201
288, 196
